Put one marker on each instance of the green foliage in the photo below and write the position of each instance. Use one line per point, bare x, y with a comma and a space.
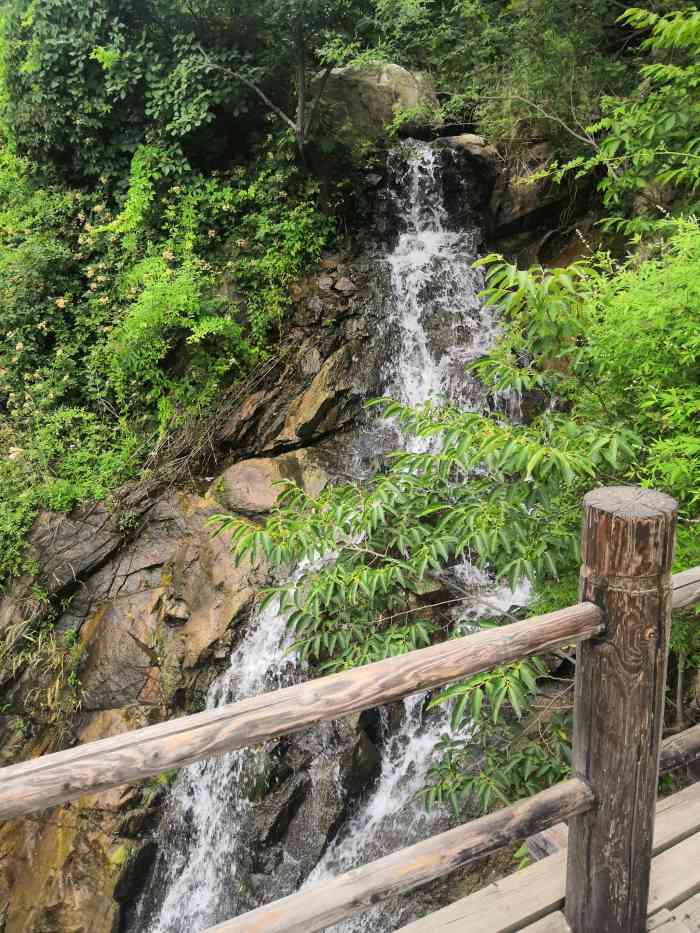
154, 789
118, 322
520, 70
556, 71
497, 765
627, 354
515, 685
89, 84
54, 664
647, 143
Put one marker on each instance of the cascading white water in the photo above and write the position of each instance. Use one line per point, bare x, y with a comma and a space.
390, 818
439, 320
440, 326
435, 325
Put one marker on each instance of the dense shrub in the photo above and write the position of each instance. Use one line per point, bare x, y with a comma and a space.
121, 320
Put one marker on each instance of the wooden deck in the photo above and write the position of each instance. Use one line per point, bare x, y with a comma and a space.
531, 900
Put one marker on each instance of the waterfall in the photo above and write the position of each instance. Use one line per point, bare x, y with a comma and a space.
437, 317
434, 326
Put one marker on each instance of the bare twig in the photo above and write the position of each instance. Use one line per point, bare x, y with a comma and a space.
588, 140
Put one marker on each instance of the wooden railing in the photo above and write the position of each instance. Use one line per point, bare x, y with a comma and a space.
621, 627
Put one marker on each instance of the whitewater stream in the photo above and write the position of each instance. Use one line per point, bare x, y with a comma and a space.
435, 325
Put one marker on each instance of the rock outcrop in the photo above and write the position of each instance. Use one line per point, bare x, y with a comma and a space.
253, 486
368, 98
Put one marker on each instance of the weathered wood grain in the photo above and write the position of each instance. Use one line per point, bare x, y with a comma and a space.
628, 541
680, 749
96, 766
548, 842
676, 751
330, 901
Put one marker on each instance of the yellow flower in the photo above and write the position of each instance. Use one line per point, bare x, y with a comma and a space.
61, 302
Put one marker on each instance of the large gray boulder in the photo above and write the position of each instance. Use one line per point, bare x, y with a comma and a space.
367, 98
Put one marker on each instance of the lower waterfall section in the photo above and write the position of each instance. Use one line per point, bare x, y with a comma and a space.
210, 808
390, 817
208, 866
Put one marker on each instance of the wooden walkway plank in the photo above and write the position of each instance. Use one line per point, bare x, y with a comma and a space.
663, 916
689, 913
504, 906
675, 875
673, 926
528, 895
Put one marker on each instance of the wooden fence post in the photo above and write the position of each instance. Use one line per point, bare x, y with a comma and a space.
627, 549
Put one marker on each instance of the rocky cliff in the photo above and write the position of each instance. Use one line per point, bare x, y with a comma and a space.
155, 606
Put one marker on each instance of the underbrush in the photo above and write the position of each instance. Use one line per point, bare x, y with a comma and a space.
125, 316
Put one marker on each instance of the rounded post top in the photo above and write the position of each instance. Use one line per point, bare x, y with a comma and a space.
628, 531
632, 502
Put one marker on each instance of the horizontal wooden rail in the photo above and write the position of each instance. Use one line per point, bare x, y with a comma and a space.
96, 766
681, 749
686, 588
323, 904
57, 778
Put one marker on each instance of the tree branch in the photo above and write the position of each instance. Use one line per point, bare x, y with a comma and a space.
237, 76
317, 98
588, 140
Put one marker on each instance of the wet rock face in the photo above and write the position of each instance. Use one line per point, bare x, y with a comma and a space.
157, 604
301, 789
466, 175
58, 871
317, 388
